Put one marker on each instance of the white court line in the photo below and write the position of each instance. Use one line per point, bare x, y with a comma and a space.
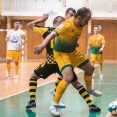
28, 89
48, 83
25, 90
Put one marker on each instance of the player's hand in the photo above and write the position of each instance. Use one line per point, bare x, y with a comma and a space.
19, 45
101, 49
45, 17
38, 49
7, 39
87, 54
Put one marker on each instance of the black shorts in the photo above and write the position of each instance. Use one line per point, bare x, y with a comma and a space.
45, 70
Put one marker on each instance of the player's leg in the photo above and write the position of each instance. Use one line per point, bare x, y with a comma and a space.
32, 90
93, 59
81, 61
52, 91
84, 94
42, 71
8, 62
67, 73
100, 61
88, 71
16, 69
100, 70
16, 58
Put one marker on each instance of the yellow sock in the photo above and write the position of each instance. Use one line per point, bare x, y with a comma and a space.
101, 67
16, 69
60, 90
88, 81
8, 66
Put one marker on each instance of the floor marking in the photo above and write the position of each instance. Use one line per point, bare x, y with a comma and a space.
26, 90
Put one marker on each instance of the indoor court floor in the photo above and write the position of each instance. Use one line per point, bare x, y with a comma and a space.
14, 94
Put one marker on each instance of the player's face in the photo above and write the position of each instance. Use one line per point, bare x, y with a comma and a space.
17, 25
96, 30
59, 21
69, 14
84, 21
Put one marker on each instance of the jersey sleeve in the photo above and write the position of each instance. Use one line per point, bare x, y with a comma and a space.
103, 40
89, 41
40, 30
61, 29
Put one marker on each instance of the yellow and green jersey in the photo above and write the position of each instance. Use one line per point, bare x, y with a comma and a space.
68, 35
96, 42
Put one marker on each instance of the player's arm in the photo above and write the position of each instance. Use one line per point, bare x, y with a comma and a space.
7, 37
24, 38
102, 48
103, 44
43, 18
88, 49
38, 49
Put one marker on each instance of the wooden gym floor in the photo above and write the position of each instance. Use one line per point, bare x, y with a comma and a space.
14, 93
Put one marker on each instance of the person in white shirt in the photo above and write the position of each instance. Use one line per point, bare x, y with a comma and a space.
14, 43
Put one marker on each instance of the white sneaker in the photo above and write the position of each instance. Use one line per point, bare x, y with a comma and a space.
101, 74
60, 104
16, 76
7, 75
52, 91
95, 93
54, 110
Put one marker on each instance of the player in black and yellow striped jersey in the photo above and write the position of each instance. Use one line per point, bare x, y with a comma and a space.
50, 66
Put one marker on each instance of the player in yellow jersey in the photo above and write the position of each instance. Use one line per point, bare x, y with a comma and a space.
66, 54
96, 44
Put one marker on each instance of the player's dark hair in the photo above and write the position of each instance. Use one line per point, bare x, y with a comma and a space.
96, 26
56, 19
82, 12
70, 9
17, 21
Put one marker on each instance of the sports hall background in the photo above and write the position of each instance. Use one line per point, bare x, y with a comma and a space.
103, 14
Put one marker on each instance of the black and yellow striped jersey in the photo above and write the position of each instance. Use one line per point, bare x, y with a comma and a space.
45, 31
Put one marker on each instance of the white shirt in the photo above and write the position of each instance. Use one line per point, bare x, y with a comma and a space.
15, 38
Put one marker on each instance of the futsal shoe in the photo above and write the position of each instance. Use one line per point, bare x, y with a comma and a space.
101, 74
7, 75
95, 93
16, 76
54, 110
31, 104
60, 104
94, 108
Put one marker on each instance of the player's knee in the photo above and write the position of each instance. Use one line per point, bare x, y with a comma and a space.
90, 70
34, 76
